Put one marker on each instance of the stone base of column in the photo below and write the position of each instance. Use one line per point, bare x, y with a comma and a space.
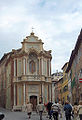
17, 108
23, 108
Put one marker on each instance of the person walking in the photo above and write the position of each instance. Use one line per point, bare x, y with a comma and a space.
29, 107
47, 116
80, 109
55, 110
60, 109
75, 111
67, 109
49, 105
40, 108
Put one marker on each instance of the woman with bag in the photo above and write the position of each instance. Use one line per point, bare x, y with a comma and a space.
75, 111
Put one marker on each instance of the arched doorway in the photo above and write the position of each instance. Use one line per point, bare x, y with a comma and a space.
33, 100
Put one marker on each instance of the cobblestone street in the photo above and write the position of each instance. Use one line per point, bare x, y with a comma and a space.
22, 115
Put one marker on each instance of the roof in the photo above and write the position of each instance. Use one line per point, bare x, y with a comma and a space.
64, 65
4, 56
75, 51
9, 53
59, 80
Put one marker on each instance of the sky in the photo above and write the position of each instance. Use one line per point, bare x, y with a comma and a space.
57, 22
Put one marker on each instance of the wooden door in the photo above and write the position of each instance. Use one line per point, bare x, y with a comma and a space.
33, 100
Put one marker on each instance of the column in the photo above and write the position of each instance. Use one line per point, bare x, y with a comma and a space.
14, 94
42, 65
15, 67
24, 66
39, 66
52, 92
43, 92
24, 93
49, 67
48, 93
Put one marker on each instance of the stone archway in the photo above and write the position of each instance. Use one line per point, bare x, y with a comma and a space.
33, 100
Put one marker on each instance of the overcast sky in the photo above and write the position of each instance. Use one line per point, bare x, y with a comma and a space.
56, 22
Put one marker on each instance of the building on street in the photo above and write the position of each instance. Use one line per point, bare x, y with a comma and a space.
56, 86
25, 75
65, 90
74, 71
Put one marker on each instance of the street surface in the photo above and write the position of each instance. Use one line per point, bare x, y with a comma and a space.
23, 115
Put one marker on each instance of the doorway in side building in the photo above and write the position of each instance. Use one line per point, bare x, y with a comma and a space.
33, 100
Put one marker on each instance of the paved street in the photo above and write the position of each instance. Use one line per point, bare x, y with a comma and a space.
22, 115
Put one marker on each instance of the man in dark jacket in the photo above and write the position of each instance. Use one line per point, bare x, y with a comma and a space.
67, 109
49, 109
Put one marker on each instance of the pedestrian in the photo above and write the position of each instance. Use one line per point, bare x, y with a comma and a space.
49, 105
29, 107
60, 109
67, 109
45, 104
80, 109
75, 111
55, 110
40, 108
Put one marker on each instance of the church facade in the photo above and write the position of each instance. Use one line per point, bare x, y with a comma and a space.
27, 75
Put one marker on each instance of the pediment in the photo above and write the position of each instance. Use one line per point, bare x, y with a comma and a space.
32, 39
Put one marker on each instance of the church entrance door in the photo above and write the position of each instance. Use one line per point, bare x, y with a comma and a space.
33, 100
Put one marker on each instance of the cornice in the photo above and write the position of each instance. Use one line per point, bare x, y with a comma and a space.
23, 53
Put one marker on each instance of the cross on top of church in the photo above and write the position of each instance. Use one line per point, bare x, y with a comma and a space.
32, 29
32, 33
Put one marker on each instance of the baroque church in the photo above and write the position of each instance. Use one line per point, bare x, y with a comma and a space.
25, 75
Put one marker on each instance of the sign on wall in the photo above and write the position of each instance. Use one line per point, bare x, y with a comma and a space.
80, 80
